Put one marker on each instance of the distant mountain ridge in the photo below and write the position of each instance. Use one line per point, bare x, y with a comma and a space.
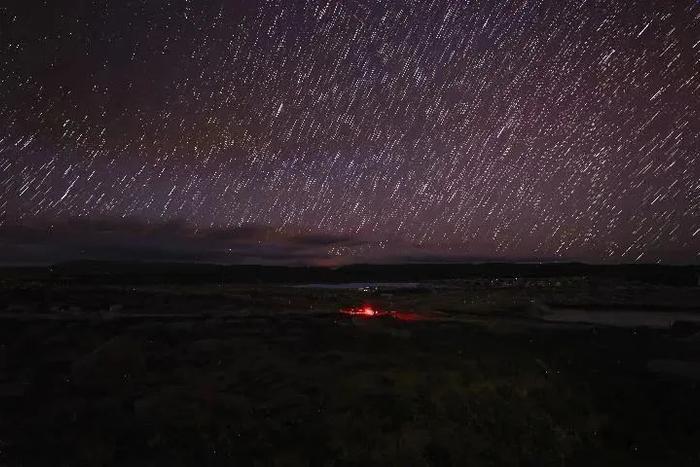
155, 272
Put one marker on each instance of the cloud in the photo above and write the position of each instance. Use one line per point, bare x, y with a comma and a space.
132, 240
118, 239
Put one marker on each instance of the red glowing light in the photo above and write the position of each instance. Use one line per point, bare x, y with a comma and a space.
371, 312
365, 310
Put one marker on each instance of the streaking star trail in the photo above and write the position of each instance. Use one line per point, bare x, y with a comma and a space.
447, 128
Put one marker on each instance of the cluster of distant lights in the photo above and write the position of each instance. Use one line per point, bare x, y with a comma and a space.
502, 129
364, 310
371, 311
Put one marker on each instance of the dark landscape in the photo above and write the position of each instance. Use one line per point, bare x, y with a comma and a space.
144, 364
350, 233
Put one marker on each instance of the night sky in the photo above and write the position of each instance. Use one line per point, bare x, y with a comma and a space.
329, 131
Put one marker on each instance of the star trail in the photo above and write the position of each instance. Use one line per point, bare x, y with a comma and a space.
464, 128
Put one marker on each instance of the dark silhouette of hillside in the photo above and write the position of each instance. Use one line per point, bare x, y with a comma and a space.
97, 272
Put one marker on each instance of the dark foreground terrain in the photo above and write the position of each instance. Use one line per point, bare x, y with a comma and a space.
491, 369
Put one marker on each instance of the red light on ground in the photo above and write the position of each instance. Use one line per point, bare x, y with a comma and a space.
365, 310
371, 312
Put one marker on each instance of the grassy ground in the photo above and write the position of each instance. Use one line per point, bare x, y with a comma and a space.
292, 382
